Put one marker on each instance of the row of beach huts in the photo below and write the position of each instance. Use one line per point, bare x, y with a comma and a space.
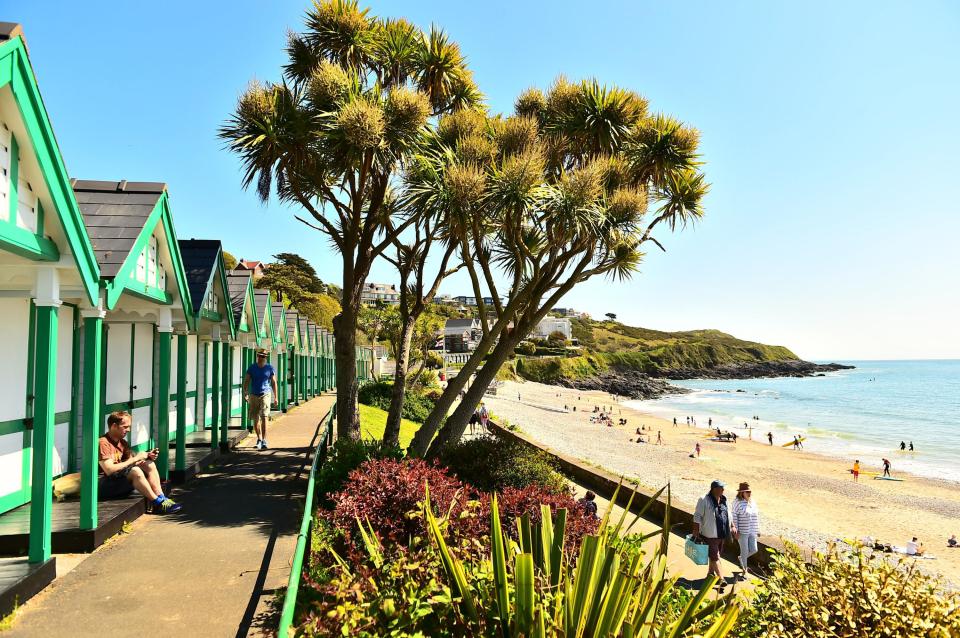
102, 308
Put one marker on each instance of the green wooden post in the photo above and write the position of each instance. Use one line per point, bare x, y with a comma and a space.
180, 461
284, 389
41, 492
90, 456
163, 402
227, 395
215, 397
294, 369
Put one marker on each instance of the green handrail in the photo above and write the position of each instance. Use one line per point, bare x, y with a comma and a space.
296, 569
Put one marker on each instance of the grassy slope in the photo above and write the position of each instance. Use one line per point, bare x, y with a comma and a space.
611, 343
373, 421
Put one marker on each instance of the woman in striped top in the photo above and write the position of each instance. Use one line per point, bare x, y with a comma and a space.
746, 519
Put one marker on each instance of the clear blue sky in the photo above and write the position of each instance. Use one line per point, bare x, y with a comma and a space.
830, 132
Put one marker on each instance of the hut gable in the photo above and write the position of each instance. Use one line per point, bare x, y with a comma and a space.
39, 217
240, 287
131, 229
207, 280
262, 304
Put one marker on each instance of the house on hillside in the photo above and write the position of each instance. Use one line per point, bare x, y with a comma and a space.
549, 325
462, 335
385, 293
255, 268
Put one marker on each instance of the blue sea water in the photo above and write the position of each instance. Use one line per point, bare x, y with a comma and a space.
862, 413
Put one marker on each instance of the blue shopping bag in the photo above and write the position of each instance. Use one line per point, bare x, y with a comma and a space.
697, 552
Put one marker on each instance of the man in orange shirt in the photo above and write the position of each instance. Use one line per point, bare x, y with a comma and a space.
124, 471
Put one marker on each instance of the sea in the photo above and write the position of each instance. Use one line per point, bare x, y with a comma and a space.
863, 413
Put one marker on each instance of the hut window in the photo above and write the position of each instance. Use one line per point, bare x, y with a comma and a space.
4, 172
149, 271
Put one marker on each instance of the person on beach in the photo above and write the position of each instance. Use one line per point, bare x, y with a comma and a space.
659, 438
674, 421
697, 449
903, 446
260, 392
746, 519
484, 415
886, 467
589, 503
712, 524
915, 548
856, 471
952, 541
911, 446
770, 437
710, 422
796, 443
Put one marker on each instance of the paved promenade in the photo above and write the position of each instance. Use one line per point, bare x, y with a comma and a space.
211, 570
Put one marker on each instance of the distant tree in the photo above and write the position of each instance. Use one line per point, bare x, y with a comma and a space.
611, 316
229, 261
528, 348
291, 277
319, 308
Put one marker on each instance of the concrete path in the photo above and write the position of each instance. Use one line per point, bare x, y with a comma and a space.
211, 570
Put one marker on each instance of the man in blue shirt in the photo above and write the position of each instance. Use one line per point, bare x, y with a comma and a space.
260, 391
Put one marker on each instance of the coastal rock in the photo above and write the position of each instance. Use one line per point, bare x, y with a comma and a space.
755, 370
626, 383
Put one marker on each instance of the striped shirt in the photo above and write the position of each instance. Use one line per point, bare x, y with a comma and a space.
746, 516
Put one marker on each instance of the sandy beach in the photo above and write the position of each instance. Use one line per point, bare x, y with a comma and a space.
805, 497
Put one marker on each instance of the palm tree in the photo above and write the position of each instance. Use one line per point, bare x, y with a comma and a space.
550, 197
356, 99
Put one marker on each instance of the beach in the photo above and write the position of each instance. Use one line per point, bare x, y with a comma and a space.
804, 497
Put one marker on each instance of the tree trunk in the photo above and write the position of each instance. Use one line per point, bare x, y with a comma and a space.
456, 423
391, 434
345, 333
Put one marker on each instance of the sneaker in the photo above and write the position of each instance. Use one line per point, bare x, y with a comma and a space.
168, 506
263, 444
259, 444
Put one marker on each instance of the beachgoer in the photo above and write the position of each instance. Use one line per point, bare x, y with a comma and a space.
589, 504
518, 396
903, 446
770, 437
124, 471
915, 548
886, 467
746, 519
260, 392
710, 422
911, 446
674, 421
800, 441
659, 438
712, 523
697, 449
718, 432
952, 541
856, 471
484, 415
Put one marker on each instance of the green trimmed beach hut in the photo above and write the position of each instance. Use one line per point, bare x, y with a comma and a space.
49, 284
247, 340
294, 350
145, 299
202, 349
281, 354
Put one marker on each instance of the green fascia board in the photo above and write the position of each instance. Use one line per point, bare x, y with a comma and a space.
21, 241
280, 330
266, 326
210, 315
115, 287
16, 70
251, 305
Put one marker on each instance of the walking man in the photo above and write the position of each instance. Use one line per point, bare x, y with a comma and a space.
260, 392
712, 523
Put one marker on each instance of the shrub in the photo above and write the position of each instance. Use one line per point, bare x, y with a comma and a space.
526, 347
345, 456
845, 594
416, 404
492, 463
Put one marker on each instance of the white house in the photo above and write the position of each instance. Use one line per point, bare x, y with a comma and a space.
549, 325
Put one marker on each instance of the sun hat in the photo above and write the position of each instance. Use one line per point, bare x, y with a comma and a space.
261, 352
744, 487
717, 483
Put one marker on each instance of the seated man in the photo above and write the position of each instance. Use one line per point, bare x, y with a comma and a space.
914, 547
124, 471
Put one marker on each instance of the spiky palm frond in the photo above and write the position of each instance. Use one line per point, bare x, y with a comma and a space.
682, 198
341, 32
662, 145
302, 59
439, 66
602, 117
396, 50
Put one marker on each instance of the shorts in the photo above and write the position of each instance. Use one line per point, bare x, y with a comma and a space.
117, 485
714, 545
260, 405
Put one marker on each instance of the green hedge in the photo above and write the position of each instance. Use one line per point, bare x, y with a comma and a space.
416, 405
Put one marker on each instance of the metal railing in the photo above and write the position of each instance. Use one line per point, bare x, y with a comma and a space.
303, 538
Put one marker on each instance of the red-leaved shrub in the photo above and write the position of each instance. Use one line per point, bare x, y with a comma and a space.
389, 494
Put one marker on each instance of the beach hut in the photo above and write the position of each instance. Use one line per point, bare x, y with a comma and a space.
240, 284
294, 341
145, 299
49, 285
197, 352
281, 354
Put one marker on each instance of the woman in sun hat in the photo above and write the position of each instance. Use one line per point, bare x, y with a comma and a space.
746, 518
